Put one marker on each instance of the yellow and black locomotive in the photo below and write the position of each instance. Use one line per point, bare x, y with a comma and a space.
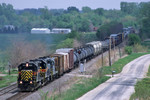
35, 73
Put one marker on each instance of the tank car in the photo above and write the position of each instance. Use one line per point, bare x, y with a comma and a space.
97, 47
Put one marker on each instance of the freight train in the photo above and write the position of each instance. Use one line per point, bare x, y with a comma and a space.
37, 72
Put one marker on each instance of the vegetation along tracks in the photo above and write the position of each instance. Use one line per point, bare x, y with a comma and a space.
8, 89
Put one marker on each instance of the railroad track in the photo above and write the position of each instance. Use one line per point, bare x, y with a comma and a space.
8, 89
20, 96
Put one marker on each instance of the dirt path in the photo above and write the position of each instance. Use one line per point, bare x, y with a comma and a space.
7, 74
121, 86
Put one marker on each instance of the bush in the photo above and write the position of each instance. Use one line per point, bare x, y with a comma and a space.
68, 43
128, 50
73, 34
134, 39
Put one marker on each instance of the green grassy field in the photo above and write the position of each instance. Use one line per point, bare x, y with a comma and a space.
146, 43
7, 80
142, 89
118, 65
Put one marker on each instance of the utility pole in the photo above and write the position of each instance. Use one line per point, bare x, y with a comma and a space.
9, 67
119, 51
114, 48
123, 38
102, 59
109, 51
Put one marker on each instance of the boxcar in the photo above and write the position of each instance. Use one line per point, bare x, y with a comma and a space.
65, 61
70, 51
59, 63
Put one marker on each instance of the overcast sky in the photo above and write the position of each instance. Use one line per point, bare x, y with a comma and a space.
56, 4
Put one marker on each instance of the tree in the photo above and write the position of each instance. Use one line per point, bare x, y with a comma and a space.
129, 8
3, 20
109, 28
73, 34
84, 25
68, 43
99, 11
133, 39
46, 14
72, 9
86, 9
145, 16
22, 51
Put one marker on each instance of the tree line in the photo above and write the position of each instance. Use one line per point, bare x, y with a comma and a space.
84, 20
80, 20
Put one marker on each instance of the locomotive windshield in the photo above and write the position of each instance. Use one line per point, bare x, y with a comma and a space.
42, 65
27, 66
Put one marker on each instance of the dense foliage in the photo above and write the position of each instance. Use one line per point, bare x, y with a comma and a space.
79, 20
109, 28
145, 16
85, 20
128, 50
142, 13
134, 39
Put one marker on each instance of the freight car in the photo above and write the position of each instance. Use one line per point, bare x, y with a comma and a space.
37, 72
70, 52
97, 46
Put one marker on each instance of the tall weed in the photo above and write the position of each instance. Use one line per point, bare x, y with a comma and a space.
139, 48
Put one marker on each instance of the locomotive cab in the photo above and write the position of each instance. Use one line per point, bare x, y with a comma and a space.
47, 68
27, 76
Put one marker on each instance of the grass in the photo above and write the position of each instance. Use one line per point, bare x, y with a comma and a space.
12, 71
7, 80
142, 89
148, 73
118, 65
146, 43
80, 88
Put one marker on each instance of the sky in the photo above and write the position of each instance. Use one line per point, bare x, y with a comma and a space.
58, 4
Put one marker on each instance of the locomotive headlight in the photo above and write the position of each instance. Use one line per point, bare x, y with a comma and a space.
30, 82
20, 82
27, 65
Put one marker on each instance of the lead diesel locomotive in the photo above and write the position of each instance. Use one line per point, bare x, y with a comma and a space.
35, 73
